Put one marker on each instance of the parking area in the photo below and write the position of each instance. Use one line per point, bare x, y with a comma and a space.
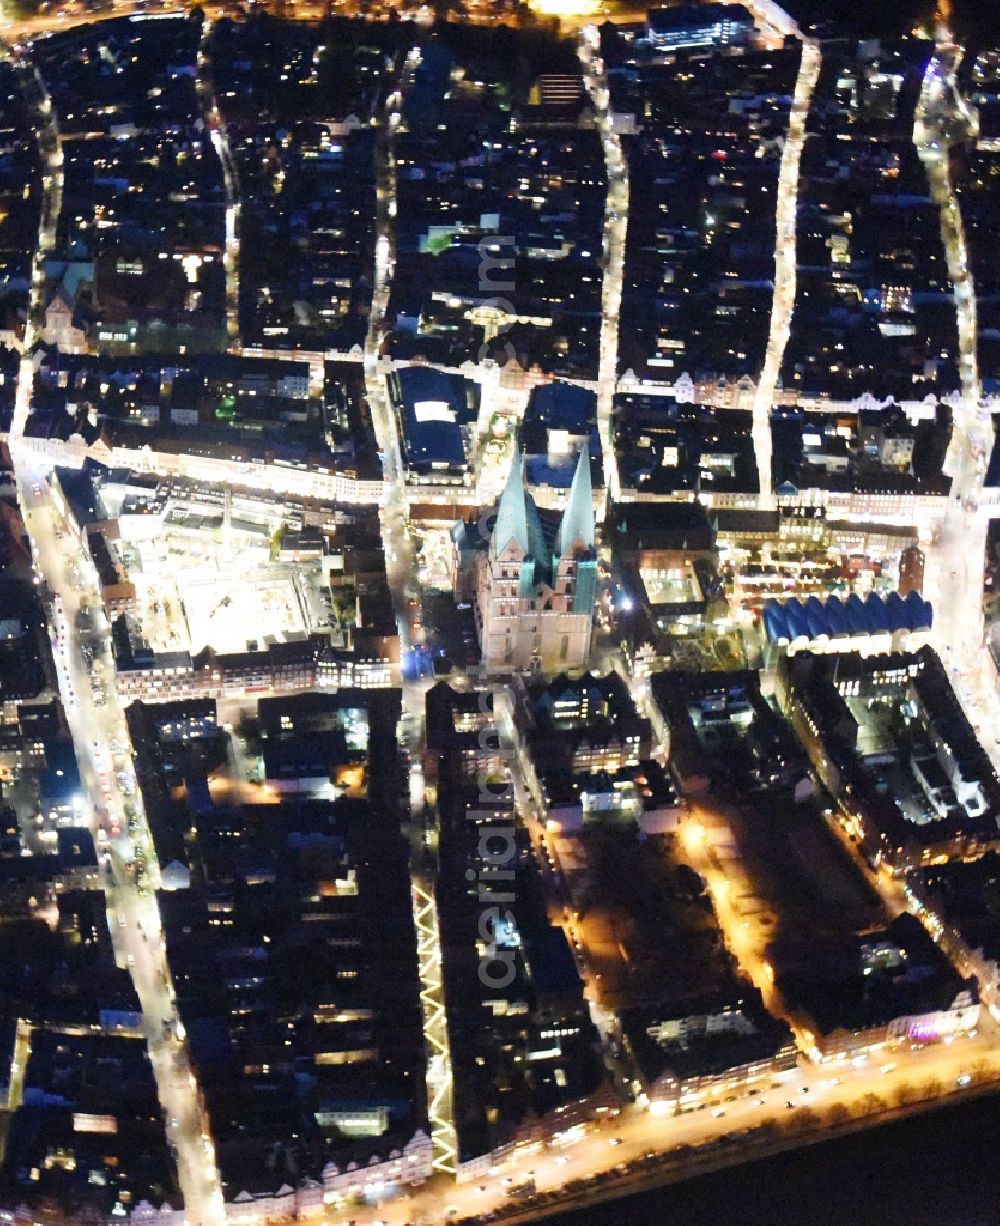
450, 629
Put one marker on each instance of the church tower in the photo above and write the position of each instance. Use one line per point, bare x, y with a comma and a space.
536, 584
574, 560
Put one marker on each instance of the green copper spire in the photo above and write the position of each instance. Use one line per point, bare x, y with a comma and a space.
512, 517
578, 519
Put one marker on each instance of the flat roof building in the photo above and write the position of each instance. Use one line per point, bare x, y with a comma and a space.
436, 411
699, 25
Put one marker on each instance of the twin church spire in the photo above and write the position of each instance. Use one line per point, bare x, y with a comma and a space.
536, 577
512, 510
578, 522
516, 507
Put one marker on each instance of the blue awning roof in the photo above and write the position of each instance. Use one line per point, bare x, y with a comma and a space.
813, 618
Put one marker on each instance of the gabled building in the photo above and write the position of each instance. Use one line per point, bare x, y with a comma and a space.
535, 578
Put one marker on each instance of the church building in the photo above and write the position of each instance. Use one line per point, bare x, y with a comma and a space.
533, 577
